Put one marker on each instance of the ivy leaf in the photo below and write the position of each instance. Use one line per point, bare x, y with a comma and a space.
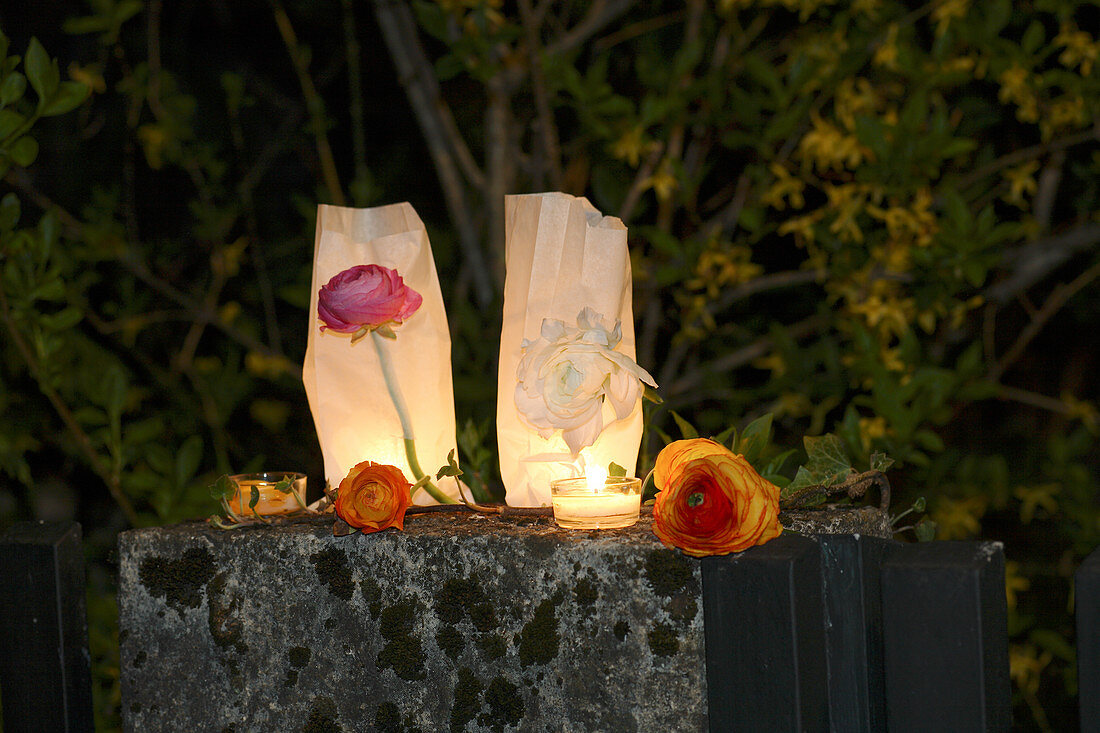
254, 497
223, 488
451, 469
614, 470
686, 429
881, 462
925, 530
826, 461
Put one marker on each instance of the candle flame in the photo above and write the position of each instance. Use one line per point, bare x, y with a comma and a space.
596, 476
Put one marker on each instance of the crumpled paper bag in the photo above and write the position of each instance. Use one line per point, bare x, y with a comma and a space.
562, 257
352, 410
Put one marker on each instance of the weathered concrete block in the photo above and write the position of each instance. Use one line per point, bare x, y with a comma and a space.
458, 623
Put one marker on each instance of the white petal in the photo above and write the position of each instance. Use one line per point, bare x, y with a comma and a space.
584, 435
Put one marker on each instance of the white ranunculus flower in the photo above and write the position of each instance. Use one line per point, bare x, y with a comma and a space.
567, 374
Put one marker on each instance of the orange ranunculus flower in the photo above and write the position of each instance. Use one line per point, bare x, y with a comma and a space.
711, 501
373, 496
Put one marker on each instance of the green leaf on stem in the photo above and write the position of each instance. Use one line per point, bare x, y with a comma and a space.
754, 438
882, 462
223, 488
686, 429
451, 469
41, 71
13, 87
69, 96
23, 151
284, 485
615, 470
826, 463
925, 530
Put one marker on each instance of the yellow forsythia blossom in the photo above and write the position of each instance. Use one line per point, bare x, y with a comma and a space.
959, 518
1080, 49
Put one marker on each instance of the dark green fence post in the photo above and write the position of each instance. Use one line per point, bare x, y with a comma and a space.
945, 637
765, 644
45, 670
1087, 601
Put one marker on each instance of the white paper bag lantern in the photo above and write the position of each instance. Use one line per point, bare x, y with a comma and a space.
568, 390
355, 415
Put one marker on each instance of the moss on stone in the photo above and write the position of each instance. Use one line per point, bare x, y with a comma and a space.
663, 641
505, 705
323, 717
483, 617
459, 597
467, 699
179, 582
668, 572
622, 628
139, 659
492, 646
585, 592
539, 639
333, 570
387, 719
291, 678
402, 652
299, 656
372, 595
450, 640
223, 616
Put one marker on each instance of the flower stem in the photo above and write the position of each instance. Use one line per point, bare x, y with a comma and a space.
403, 415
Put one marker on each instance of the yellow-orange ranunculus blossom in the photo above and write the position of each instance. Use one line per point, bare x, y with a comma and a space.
711, 501
373, 497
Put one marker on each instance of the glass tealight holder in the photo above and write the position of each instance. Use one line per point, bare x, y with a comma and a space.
272, 501
578, 504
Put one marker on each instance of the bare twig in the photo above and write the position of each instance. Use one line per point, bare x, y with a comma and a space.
1053, 304
500, 168
743, 291
600, 14
638, 186
355, 91
1025, 154
448, 150
314, 104
548, 129
740, 357
1032, 263
1033, 399
854, 487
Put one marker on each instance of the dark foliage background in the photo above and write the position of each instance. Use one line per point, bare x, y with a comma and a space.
875, 219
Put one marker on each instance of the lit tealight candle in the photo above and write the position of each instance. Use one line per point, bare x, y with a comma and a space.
595, 501
272, 501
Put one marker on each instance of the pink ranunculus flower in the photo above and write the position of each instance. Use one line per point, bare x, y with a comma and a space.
365, 297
